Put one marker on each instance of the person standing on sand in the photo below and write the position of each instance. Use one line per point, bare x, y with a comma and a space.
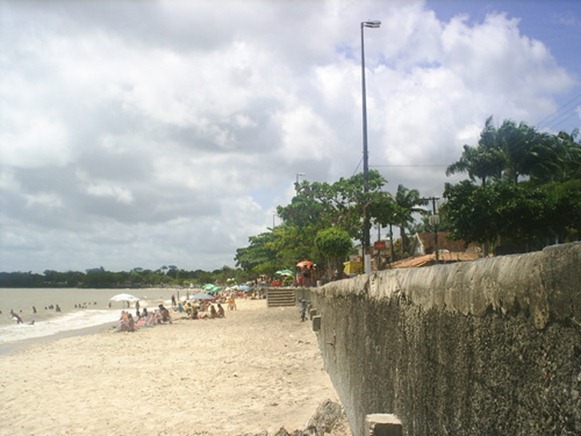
303, 309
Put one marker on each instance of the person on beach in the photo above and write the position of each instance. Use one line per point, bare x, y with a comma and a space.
127, 323
165, 316
213, 313
16, 317
303, 309
221, 313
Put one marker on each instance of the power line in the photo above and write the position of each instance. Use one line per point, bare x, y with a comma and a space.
546, 122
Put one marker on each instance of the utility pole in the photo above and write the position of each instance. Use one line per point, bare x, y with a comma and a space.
434, 222
366, 242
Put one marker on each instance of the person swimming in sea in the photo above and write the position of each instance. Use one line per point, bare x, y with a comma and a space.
16, 317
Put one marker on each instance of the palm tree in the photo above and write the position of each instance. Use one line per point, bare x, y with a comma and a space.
483, 161
407, 202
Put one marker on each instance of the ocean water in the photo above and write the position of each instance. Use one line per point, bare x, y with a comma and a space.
80, 309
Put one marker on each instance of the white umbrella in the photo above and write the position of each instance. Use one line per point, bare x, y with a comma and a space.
124, 297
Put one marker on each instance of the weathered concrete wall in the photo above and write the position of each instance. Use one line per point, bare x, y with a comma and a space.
491, 347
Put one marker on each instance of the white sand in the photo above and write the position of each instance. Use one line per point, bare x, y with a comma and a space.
257, 369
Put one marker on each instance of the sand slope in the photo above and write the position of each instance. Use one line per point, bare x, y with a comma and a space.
257, 369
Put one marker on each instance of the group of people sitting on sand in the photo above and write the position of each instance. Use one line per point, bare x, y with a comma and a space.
127, 322
203, 310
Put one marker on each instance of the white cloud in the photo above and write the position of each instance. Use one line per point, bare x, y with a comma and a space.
143, 134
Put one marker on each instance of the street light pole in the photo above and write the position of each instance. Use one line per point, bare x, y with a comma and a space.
297, 182
366, 224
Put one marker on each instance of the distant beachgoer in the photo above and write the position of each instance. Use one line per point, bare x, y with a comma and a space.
194, 312
144, 312
173, 301
57, 308
130, 323
16, 316
213, 313
231, 303
109, 305
33, 309
303, 309
221, 313
165, 316
127, 323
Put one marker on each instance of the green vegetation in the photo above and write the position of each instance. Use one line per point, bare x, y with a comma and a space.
136, 278
529, 190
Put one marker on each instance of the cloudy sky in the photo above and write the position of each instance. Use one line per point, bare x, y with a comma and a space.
152, 133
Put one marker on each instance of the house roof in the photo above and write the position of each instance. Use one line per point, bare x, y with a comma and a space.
429, 259
428, 240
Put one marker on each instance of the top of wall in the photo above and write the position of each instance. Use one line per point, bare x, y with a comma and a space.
545, 284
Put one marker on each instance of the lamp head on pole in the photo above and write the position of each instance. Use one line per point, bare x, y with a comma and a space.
373, 24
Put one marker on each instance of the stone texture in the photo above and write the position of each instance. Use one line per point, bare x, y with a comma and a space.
486, 347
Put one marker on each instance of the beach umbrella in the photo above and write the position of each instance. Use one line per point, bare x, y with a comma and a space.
124, 297
201, 296
305, 264
243, 288
211, 288
285, 272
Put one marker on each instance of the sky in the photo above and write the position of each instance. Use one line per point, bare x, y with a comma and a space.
156, 133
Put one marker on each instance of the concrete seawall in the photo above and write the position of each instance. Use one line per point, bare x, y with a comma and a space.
486, 347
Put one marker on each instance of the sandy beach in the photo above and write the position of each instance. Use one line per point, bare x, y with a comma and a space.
256, 370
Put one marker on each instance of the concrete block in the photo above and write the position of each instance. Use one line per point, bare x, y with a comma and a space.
382, 424
317, 323
312, 313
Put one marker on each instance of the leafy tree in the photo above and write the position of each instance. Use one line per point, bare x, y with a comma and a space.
335, 245
533, 198
341, 204
260, 256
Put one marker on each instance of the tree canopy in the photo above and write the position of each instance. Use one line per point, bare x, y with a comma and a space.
529, 193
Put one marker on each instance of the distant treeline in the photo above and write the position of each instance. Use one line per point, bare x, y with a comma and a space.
136, 278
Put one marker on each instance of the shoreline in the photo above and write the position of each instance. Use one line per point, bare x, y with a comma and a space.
21, 345
258, 369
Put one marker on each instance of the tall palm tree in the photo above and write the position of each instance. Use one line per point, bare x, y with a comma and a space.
483, 161
407, 202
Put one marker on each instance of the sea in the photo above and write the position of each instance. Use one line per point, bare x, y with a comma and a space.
81, 311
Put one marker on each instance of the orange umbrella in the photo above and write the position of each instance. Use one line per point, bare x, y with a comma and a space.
305, 264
